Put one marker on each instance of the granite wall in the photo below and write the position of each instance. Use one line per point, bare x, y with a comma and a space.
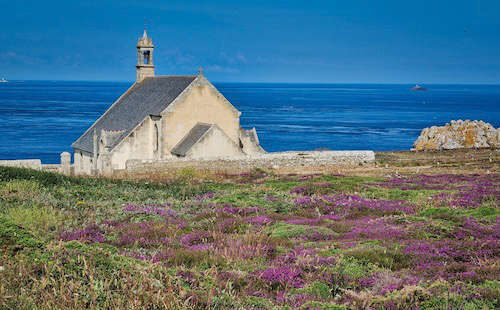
285, 161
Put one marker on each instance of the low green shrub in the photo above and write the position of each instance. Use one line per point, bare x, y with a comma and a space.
485, 212
317, 289
15, 238
41, 220
19, 190
412, 196
283, 230
244, 197
390, 258
353, 267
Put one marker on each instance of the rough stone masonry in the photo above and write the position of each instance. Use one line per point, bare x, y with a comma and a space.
287, 161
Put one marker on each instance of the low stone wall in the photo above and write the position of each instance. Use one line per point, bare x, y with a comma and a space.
51, 167
65, 167
23, 163
283, 161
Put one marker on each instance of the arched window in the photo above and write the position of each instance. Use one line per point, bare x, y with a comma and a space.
146, 57
155, 138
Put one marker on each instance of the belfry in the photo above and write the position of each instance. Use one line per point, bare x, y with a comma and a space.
145, 66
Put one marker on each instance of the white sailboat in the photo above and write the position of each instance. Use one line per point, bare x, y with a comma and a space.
3, 80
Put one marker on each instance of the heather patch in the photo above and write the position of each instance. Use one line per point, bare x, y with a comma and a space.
378, 229
144, 234
259, 220
284, 277
350, 206
251, 241
245, 247
471, 190
90, 234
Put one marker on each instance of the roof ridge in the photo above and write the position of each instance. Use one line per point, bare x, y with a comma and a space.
174, 76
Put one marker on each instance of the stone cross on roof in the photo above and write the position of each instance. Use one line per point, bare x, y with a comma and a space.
200, 70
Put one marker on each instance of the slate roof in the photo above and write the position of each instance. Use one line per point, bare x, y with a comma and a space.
191, 138
149, 97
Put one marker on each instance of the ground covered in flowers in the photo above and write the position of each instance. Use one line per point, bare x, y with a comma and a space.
250, 241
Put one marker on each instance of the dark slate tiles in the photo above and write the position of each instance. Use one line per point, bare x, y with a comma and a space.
149, 97
190, 139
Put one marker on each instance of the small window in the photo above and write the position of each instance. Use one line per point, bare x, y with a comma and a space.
156, 138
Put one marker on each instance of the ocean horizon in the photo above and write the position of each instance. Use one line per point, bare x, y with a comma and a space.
40, 119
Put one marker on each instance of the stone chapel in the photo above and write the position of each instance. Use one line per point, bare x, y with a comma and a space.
163, 117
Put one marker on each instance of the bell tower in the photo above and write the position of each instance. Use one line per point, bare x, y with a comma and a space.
145, 66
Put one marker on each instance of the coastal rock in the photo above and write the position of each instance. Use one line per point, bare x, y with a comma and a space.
458, 134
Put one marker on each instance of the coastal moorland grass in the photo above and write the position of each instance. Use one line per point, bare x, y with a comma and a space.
250, 241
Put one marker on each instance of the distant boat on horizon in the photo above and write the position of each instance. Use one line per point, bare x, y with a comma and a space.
418, 88
3, 80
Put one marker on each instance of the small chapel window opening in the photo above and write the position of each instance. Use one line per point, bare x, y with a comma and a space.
156, 138
147, 57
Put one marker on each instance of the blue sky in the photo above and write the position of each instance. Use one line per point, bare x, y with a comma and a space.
349, 41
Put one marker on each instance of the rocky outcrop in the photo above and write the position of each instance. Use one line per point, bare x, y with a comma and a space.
458, 134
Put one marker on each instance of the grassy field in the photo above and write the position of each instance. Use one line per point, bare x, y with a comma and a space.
252, 241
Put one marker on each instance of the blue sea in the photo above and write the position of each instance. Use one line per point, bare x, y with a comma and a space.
40, 119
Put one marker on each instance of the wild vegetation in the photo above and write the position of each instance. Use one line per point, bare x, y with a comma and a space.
250, 241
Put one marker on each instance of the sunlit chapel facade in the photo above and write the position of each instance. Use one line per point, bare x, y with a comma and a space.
163, 117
